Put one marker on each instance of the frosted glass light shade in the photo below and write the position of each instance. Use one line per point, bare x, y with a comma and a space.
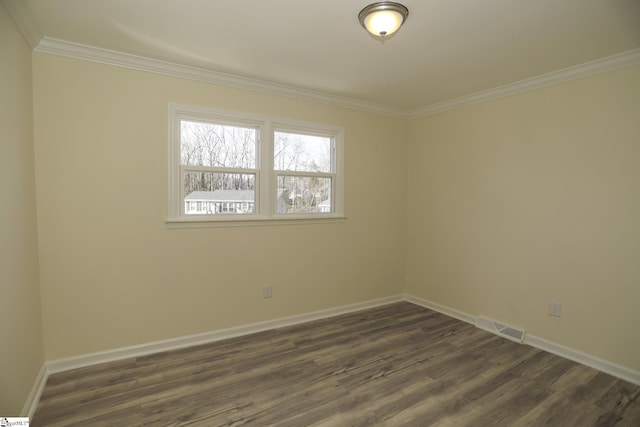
383, 19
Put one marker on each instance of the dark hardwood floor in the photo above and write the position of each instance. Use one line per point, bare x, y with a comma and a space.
397, 365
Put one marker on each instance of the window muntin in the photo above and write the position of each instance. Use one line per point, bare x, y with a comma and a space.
232, 167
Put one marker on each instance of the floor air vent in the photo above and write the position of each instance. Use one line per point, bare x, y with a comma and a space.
494, 327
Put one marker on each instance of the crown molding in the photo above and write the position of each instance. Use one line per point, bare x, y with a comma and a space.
141, 63
602, 65
22, 16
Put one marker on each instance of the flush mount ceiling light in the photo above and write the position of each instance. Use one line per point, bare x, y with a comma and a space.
383, 19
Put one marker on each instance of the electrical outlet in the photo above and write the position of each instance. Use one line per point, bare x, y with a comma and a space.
555, 308
266, 291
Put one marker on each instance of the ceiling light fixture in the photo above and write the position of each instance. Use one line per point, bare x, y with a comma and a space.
384, 18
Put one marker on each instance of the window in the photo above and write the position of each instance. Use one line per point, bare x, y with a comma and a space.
235, 168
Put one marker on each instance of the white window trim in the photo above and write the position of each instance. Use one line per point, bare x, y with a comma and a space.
266, 176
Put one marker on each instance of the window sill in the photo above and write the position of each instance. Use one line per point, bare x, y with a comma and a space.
204, 222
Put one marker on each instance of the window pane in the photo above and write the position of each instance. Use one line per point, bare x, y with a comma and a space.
208, 193
304, 194
304, 153
209, 144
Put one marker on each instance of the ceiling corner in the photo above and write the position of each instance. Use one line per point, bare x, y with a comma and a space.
22, 16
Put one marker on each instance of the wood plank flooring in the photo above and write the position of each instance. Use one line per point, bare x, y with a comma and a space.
396, 365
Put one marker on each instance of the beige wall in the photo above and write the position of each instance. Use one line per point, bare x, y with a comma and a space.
114, 275
21, 352
534, 197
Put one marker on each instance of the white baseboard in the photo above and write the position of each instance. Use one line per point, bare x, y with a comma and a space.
584, 359
75, 362
69, 363
460, 315
81, 361
605, 366
31, 404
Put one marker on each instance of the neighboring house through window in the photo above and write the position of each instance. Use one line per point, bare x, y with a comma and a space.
219, 201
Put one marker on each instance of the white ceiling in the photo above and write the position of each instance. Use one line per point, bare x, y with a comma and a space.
446, 49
